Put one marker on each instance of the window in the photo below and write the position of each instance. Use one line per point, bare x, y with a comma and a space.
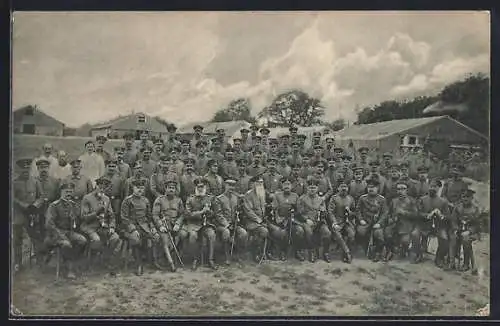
141, 118
29, 129
412, 140
29, 111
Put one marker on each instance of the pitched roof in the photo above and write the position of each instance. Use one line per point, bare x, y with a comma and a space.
42, 118
130, 122
231, 127
383, 129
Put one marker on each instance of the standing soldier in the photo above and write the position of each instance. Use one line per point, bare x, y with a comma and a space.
341, 208
100, 141
215, 151
362, 161
23, 198
387, 163
338, 152
92, 164
198, 135
257, 167
371, 214
316, 140
221, 140
243, 179
171, 142
187, 180
157, 180
246, 142
116, 188
375, 174
62, 222
329, 148
325, 188
455, 186
214, 180
302, 142
309, 208
144, 141
332, 173
318, 155
272, 179
98, 221
284, 144
403, 215
434, 213
390, 185
293, 132
130, 154
83, 184
123, 168
202, 159
266, 142
149, 167
306, 168
422, 185
257, 147
255, 203
137, 222
138, 175
199, 227
283, 203
168, 214
229, 168
465, 222
62, 169
239, 152
176, 166
299, 185
295, 156
273, 148
157, 150
283, 167
405, 177
47, 155
358, 186
185, 153
228, 209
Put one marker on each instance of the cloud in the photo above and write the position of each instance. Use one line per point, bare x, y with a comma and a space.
417, 84
457, 68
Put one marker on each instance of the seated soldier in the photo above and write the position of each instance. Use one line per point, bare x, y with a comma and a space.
255, 203
168, 214
61, 223
199, 226
371, 214
137, 221
341, 209
98, 221
284, 206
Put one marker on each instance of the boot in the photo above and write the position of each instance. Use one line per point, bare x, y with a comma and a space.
326, 251
312, 255
194, 266
227, 260
301, 255
70, 274
211, 264
466, 265
376, 255
347, 257
138, 260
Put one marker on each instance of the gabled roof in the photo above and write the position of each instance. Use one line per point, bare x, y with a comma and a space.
383, 129
129, 122
42, 117
231, 127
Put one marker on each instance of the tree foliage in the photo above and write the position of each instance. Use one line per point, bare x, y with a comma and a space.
294, 107
336, 125
238, 109
164, 122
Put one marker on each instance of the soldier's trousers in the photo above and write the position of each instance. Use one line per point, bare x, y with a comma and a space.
17, 243
416, 240
326, 235
466, 240
259, 232
303, 234
363, 233
71, 244
278, 235
444, 246
99, 237
349, 234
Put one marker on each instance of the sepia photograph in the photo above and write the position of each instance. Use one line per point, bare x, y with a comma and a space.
312, 163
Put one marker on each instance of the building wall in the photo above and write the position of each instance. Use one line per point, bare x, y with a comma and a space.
44, 125
49, 130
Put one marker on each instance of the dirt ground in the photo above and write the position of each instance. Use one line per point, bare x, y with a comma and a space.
273, 288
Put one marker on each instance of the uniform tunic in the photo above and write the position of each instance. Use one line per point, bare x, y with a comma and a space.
130, 156
337, 208
200, 165
149, 167
403, 212
128, 188
226, 206
229, 169
104, 154
34, 169
294, 159
357, 189
308, 208
194, 218
421, 188
453, 189
371, 209
157, 183
187, 187
136, 215
168, 210
47, 188
115, 191
254, 170
272, 181
466, 219
282, 203
243, 183
23, 196
90, 221
215, 184
124, 170
61, 219
83, 186
255, 207
284, 170
427, 204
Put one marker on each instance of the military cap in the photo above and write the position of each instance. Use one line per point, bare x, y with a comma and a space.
436, 182
128, 135
101, 138
89, 142
42, 162
404, 165
387, 154
422, 169
75, 162
200, 181
363, 149
220, 130
230, 181
287, 136
137, 165
236, 140
211, 162
295, 143
293, 128
338, 150
244, 131
468, 192
329, 138
254, 128
257, 137
259, 152
201, 143
189, 160
185, 141
111, 161
374, 163
356, 167
138, 182
24, 162
316, 134
241, 162
286, 179
67, 185
164, 158
342, 182
394, 167
256, 178
102, 181
372, 182
318, 147
265, 131
347, 157
171, 128
198, 127
402, 182
302, 136
272, 159
312, 181
159, 142
146, 149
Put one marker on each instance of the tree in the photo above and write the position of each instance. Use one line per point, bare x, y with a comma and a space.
164, 122
294, 107
336, 125
238, 109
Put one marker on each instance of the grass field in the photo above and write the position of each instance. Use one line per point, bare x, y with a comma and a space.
273, 288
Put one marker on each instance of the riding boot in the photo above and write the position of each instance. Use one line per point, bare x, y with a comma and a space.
466, 264
227, 255
156, 257
138, 260
312, 255
211, 261
326, 249
376, 255
301, 255
70, 273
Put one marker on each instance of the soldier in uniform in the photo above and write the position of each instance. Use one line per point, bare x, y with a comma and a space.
403, 219
390, 185
157, 182
341, 209
149, 167
318, 155
375, 174
309, 208
187, 180
62, 222
138, 224
214, 180
23, 198
100, 141
295, 156
266, 144
329, 148
138, 175
198, 135
284, 144
358, 186
371, 215
338, 152
185, 152
116, 188
257, 167
215, 151
144, 141
405, 177
168, 216
243, 179
246, 142
465, 222
299, 185
229, 168
200, 165
455, 185
123, 168
255, 203
239, 152
272, 179
363, 160
83, 184
316, 140
98, 221
171, 141
324, 186
283, 203
306, 168
200, 225
434, 213
422, 185
48, 156
387, 163
344, 168
176, 165
157, 150
221, 140
283, 167
130, 154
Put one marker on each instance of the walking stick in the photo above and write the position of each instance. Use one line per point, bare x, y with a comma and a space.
290, 221
263, 251
233, 238
174, 247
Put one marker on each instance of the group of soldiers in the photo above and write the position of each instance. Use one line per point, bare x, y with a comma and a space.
171, 200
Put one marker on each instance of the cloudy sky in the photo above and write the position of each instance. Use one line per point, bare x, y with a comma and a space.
89, 67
